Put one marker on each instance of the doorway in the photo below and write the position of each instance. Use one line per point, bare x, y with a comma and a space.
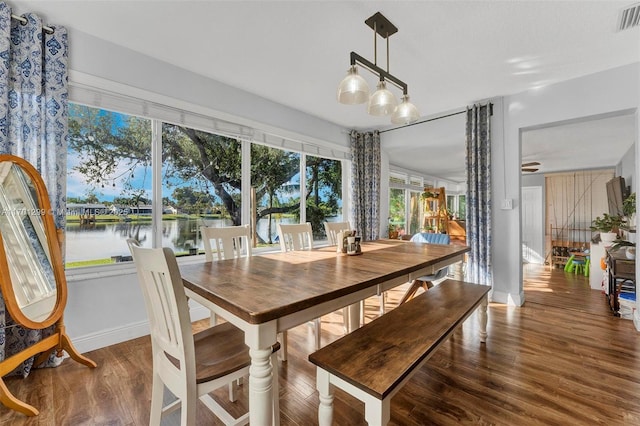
532, 225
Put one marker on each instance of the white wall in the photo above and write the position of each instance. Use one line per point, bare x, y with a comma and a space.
605, 92
627, 168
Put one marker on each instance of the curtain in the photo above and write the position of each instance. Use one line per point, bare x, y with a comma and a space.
478, 216
33, 125
365, 184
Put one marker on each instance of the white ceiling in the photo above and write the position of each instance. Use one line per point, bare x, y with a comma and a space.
450, 53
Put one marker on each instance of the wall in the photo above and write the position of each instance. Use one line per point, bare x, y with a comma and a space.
609, 91
627, 168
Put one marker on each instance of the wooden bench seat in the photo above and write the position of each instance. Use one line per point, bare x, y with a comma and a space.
375, 361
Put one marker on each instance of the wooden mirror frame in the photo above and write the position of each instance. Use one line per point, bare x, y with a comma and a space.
59, 340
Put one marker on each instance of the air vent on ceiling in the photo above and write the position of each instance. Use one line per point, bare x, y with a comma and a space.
629, 17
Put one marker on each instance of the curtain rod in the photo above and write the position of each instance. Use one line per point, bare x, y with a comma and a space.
424, 121
46, 29
434, 119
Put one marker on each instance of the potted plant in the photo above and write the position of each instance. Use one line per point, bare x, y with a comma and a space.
629, 209
393, 232
608, 226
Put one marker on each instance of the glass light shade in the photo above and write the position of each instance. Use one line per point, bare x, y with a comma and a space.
382, 102
353, 89
405, 113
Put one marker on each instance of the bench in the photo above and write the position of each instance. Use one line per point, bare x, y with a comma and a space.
376, 360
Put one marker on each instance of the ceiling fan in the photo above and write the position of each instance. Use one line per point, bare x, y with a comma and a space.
527, 167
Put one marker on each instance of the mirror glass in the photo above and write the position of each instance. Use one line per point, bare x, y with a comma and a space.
25, 243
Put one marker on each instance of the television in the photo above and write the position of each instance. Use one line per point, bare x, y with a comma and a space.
616, 193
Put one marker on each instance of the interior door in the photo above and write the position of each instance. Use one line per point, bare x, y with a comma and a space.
532, 225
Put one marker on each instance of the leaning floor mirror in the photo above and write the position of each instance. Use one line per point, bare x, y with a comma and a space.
32, 278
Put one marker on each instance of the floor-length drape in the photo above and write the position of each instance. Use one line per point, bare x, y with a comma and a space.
34, 126
365, 184
478, 216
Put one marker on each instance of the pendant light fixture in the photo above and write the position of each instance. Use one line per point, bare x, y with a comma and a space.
353, 89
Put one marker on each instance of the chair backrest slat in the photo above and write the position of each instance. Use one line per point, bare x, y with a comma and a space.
332, 229
294, 237
229, 242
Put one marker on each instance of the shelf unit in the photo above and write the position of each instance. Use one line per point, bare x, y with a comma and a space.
564, 240
435, 217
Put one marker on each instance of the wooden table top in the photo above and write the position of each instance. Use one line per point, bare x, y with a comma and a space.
262, 288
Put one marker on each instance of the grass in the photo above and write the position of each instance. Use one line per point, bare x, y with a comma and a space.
93, 262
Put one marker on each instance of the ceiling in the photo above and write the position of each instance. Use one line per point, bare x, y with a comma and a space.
450, 53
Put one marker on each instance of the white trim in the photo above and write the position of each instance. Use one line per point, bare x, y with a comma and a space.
107, 94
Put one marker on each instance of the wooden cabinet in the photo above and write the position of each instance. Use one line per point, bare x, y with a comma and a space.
622, 277
436, 218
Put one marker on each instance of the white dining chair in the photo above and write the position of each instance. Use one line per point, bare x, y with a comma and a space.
190, 366
229, 242
332, 229
296, 237
426, 282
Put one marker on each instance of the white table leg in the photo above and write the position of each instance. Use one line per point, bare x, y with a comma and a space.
325, 409
260, 387
482, 319
377, 413
354, 317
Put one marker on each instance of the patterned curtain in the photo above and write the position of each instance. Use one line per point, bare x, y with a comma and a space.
365, 184
478, 217
33, 125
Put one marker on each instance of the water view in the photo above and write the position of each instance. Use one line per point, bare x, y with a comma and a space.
106, 240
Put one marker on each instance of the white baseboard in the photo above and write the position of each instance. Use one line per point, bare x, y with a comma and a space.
509, 299
104, 338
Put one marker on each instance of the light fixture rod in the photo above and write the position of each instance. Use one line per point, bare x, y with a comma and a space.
384, 75
387, 54
375, 44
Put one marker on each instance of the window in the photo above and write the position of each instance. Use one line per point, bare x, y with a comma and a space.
275, 178
201, 185
323, 194
397, 218
108, 185
186, 170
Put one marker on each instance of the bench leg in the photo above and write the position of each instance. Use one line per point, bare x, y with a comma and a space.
377, 413
325, 391
482, 319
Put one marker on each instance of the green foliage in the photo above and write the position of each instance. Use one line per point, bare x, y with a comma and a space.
629, 205
113, 148
607, 223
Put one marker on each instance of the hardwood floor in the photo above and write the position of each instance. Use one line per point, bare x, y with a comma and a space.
561, 359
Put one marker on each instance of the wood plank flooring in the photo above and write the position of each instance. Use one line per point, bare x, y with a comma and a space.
561, 359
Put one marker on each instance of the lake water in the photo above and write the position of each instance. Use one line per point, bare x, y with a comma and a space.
104, 240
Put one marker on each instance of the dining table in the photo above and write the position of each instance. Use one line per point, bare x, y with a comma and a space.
270, 293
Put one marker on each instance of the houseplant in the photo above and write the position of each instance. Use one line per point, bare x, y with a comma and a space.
608, 226
629, 210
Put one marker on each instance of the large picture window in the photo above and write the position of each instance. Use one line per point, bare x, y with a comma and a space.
197, 179
108, 185
275, 178
201, 184
324, 193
